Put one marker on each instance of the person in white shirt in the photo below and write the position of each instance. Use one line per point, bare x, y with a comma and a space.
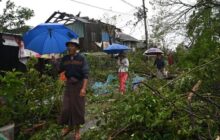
122, 71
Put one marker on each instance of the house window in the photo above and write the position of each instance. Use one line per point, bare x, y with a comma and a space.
93, 36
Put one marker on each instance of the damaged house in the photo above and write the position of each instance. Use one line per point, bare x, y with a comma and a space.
127, 40
94, 35
9, 52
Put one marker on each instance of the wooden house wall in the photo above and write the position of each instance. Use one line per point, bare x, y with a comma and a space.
89, 34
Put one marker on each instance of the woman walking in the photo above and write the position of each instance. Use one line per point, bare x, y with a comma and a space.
122, 72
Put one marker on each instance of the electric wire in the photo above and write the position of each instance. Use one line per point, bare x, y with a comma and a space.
129, 4
100, 8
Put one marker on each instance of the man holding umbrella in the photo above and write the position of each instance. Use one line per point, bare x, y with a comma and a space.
76, 71
160, 64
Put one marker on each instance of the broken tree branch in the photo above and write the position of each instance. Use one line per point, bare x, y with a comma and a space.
189, 98
194, 89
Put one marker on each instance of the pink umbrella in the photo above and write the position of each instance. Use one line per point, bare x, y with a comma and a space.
153, 51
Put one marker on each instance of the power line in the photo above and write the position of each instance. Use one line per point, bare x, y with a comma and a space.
129, 4
109, 10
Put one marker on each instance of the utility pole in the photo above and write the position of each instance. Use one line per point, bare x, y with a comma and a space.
145, 25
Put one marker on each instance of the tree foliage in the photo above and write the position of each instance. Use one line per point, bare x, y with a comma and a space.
159, 109
13, 18
27, 99
175, 111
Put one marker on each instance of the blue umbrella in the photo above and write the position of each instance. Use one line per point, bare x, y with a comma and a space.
48, 38
116, 48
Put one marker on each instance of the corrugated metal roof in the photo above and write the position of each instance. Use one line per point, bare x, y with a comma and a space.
126, 37
82, 19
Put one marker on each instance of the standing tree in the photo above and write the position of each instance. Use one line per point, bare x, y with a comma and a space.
169, 22
160, 29
14, 17
110, 25
177, 17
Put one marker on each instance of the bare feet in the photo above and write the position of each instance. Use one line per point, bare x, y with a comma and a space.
77, 136
65, 131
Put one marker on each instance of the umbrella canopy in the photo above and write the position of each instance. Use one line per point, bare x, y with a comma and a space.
48, 38
116, 48
153, 51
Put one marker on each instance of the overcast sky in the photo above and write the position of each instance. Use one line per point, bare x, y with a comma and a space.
94, 9
44, 8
